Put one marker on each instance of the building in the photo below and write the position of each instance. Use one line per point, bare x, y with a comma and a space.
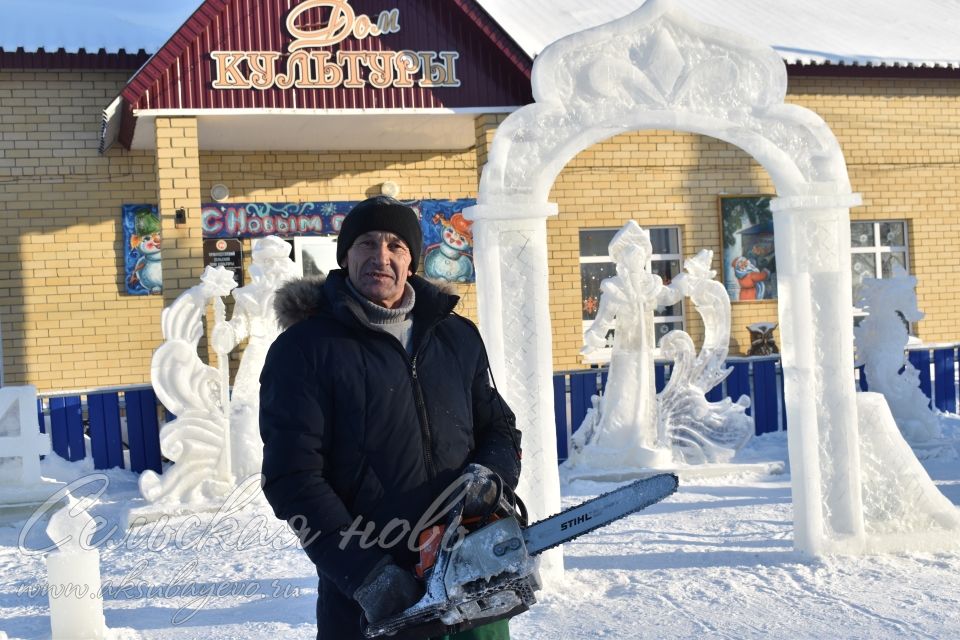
267, 103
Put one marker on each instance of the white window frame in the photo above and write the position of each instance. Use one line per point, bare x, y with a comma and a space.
878, 250
602, 356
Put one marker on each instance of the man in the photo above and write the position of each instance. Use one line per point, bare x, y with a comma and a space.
374, 399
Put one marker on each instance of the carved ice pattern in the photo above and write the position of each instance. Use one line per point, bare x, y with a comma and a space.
197, 439
520, 319
699, 430
901, 507
631, 422
880, 341
667, 63
254, 320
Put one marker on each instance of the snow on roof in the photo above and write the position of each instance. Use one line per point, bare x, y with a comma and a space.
864, 32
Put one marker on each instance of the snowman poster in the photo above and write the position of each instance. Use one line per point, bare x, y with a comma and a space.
141, 249
447, 240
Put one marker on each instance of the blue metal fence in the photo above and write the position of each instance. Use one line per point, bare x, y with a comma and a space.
758, 378
124, 422
115, 420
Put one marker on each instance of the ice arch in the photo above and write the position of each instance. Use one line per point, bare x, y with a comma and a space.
658, 69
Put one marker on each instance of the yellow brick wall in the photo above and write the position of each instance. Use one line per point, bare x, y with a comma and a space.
66, 321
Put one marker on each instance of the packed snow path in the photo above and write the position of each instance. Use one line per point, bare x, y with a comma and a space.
713, 561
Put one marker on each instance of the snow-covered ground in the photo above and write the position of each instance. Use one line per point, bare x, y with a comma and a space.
713, 561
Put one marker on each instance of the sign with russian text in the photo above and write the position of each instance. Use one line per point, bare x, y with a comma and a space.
310, 62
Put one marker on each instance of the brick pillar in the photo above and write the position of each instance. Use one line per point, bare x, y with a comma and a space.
178, 186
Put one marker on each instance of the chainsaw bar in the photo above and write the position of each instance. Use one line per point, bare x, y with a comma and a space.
597, 512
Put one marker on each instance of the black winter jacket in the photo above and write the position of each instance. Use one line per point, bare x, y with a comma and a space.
354, 427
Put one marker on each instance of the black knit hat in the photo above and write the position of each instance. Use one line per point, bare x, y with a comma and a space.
381, 213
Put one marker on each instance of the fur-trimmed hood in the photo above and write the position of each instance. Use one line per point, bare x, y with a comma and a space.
302, 298
298, 299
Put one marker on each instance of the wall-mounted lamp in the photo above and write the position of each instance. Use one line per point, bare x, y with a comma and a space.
219, 192
180, 217
390, 188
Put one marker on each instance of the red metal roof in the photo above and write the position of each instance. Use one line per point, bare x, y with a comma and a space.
493, 71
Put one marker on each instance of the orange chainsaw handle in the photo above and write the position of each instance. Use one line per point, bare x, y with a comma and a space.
431, 538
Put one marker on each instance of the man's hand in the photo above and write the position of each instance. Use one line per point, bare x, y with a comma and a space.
387, 590
484, 488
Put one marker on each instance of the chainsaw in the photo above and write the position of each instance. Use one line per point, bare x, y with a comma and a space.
490, 573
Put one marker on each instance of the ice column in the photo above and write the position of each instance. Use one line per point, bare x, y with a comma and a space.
514, 312
73, 576
816, 325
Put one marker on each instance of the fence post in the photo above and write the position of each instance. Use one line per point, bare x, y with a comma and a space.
946, 387
66, 428
105, 436
143, 430
560, 415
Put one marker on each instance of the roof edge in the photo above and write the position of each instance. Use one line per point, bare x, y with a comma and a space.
881, 70
171, 49
119, 60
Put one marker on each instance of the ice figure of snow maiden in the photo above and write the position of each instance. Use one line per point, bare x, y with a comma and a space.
254, 318
880, 340
682, 425
449, 259
627, 434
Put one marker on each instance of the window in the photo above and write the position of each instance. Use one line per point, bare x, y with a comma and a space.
596, 265
875, 248
315, 255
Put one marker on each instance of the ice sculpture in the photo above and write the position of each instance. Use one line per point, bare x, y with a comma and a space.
626, 433
73, 575
697, 429
900, 509
630, 427
657, 68
21, 445
880, 341
197, 440
254, 318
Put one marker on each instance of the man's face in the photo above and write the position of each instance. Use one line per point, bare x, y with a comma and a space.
378, 264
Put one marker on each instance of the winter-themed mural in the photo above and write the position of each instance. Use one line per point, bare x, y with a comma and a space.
749, 259
448, 240
143, 274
